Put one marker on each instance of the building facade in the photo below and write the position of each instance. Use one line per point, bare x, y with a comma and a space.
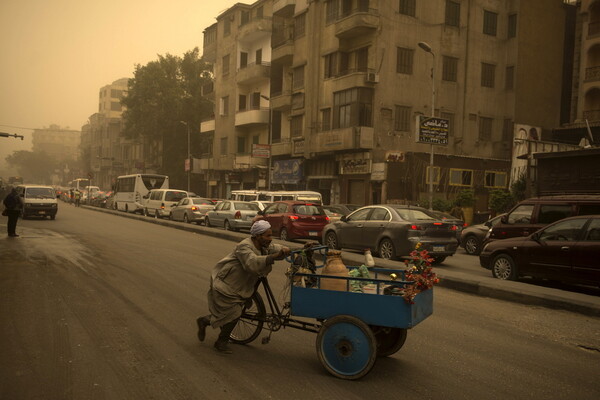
336, 88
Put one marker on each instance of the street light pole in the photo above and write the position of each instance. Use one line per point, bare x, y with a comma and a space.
189, 155
427, 48
269, 140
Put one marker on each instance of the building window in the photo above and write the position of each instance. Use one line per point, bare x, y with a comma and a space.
404, 61
245, 17
510, 78
258, 57
449, 68
507, 130
490, 23
227, 25
353, 107
224, 146
241, 144
116, 94
299, 26
330, 65
298, 77
461, 177
512, 25
225, 66
259, 12
326, 119
450, 117
275, 126
331, 11
452, 13
255, 101
408, 7
296, 125
115, 106
433, 175
225, 105
485, 128
243, 60
256, 139
362, 59
402, 120
488, 72
242, 102
494, 179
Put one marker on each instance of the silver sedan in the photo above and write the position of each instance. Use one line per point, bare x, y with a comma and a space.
232, 215
191, 209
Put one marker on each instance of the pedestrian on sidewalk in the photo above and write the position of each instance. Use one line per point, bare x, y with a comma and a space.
12, 208
234, 279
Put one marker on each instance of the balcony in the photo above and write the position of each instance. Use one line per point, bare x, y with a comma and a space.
283, 53
284, 8
355, 23
283, 148
253, 73
360, 137
246, 162
281, 100
350, 79
207, 126
249, 118
255, 30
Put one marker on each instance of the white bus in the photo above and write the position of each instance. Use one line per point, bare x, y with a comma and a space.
277, 195
131, 189
78, 184
244, 195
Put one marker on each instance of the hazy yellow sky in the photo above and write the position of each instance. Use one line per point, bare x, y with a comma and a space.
56, 54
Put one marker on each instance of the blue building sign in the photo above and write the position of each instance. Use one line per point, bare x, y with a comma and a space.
287, 171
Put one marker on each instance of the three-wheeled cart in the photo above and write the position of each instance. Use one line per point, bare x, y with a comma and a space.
353, 328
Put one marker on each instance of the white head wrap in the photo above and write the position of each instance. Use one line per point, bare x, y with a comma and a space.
259, 227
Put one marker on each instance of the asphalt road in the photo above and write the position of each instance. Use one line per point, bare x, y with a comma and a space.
96, 306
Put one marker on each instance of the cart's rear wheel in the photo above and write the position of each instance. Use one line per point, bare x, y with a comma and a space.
346, 347
389, 340
251, 322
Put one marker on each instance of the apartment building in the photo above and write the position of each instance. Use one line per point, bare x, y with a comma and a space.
59, 143
104, 151
336, 88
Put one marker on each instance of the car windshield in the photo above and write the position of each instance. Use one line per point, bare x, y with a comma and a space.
246, 206
409, 214
201, 201
308, 209
39, 193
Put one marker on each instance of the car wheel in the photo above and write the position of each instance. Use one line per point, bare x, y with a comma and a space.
53, 217
207, 222
185, 219
504, 267
171, 217
387, 250
227, 226
156, 214
283, 234
331, 241
115, 206
472, 245
146, 212
126, 208
438, 260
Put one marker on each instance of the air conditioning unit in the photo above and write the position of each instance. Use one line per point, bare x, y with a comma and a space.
372, 77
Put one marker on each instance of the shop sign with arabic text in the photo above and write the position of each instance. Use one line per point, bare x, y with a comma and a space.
432, 130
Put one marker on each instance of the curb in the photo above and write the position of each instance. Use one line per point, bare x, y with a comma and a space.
518, 292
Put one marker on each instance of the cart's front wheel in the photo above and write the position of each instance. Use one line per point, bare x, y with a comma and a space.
251, 322
389, 340
346, 347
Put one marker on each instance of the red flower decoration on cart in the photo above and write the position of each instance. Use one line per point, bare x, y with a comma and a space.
420, 272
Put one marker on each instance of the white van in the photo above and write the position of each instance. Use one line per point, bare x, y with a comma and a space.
299, 195
158, 202
38, 200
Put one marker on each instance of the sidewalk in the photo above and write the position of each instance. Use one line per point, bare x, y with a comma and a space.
519, 292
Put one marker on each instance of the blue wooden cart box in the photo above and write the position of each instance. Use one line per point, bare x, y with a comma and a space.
373, 309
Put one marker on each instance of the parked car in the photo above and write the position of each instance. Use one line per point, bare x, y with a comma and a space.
191, 209
295, 219
98, 199
158, 202
566, 250
451, 219
261, 204
232, 215
473, 237
333, 216
533, 214
392, 231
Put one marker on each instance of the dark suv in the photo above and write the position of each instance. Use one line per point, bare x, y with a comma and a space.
533, 214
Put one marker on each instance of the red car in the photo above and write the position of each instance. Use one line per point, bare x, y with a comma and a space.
295, 219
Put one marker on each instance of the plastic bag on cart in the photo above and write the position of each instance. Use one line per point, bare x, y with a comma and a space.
304, 263
359, 272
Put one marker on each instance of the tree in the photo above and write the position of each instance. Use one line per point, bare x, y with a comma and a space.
161, 94
518, 188
33, 166
500, 201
